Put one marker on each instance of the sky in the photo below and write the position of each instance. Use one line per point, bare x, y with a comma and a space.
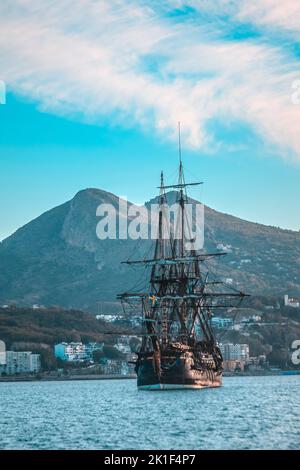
95, 89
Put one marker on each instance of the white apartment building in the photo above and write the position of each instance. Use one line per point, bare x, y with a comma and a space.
2, 353
22, 362
234, 352
290, 302
35, 363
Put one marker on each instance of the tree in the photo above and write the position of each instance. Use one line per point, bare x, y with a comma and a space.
134, 344
98, 355
75, 337
112, 353
278, 357
48, 360
60, 363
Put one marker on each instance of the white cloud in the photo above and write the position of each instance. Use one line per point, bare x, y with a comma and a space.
274, 13
127, 60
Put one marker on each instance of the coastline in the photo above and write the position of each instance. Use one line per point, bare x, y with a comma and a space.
61, 378
58, 378
262, 373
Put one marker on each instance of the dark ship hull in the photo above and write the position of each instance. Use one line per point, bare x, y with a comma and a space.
179, 376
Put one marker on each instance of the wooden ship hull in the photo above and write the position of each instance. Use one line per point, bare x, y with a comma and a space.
179, 376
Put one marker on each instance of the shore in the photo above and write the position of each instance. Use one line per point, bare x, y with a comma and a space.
49, 378
52, 378
264, 373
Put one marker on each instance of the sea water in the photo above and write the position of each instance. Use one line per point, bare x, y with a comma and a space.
245, 413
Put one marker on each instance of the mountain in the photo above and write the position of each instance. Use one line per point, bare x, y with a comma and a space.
57, 258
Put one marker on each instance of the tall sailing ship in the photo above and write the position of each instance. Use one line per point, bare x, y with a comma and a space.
179, 349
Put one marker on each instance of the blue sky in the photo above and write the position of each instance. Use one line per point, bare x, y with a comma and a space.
95, 90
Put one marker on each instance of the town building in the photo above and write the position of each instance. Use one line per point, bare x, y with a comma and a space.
234, 366
256, 318
290, 302
122, 345
109, 318
2, 357
221, 323
76, 351
123, 348
2, 353
234, 352
224, 248
35, 363
257, 363
21, 362
91, 347
235, 356
116, 367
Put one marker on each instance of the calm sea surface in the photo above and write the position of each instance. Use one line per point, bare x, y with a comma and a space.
246, 413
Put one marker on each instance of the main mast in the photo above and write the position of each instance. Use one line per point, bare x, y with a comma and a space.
179, 293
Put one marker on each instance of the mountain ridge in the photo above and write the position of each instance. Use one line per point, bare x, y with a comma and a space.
57, 259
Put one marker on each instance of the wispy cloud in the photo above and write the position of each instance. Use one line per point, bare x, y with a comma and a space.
152, 64
272, 13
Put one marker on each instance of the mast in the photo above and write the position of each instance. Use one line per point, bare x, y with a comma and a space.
181, 198
180, 296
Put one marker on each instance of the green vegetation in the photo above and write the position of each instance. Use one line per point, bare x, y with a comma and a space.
112, 353
46, 327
